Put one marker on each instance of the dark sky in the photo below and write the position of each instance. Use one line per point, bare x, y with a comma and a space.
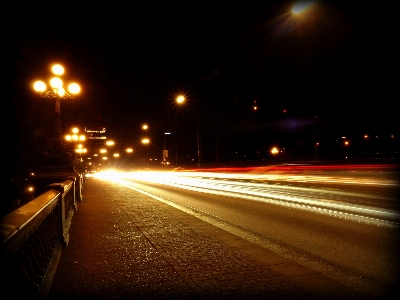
335, 61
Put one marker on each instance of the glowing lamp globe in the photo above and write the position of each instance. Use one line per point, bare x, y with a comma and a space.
39, 86
74, 88
58, 69
56, 83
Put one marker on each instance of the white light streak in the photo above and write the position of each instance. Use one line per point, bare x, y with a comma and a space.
273, 194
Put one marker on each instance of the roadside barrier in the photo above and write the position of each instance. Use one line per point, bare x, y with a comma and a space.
32, 239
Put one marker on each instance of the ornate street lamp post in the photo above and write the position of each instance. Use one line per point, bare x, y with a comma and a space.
57, 92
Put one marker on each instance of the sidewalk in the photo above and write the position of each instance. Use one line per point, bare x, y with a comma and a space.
125, 245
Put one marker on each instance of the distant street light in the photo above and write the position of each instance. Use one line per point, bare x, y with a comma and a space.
297, 11
180, 99
80, 150
57, 92
74, 137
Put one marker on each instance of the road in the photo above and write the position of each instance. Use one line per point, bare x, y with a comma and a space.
343, 225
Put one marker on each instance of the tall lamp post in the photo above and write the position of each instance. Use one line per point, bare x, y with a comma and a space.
297, 11
165, 151
146, 141
57, 92
180, 100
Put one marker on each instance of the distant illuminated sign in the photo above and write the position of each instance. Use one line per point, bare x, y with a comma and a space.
96, 134
96, 131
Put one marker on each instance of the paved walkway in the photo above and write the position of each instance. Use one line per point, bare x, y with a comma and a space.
125, 245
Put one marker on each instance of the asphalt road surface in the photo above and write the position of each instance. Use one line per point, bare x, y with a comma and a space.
343, 225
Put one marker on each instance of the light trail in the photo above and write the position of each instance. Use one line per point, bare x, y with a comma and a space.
323, 203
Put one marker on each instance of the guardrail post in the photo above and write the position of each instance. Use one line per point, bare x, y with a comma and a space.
67, 207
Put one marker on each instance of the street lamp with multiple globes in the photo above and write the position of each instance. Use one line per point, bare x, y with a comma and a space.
74, 137
57, 92
80, 150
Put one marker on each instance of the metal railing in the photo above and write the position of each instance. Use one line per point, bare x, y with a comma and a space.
32, 238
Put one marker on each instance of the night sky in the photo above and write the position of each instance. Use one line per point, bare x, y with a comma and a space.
318, 76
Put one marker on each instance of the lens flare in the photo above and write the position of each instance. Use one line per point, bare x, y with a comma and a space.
301, 6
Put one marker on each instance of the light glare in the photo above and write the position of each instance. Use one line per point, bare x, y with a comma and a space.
39, 86
74, 88
58, 69
61, 91
180, 99
301, 6
56, 82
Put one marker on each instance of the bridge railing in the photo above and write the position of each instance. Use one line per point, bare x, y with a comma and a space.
32, 238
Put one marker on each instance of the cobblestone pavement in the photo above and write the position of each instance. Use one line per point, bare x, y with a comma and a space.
123, 245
